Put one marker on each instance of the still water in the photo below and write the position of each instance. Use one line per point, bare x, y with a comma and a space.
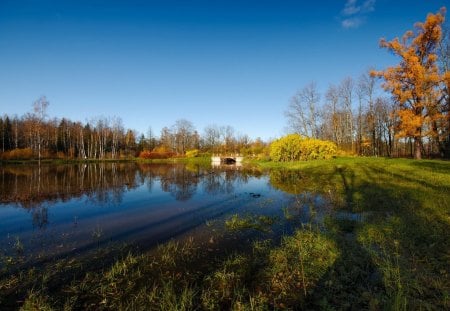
59, 210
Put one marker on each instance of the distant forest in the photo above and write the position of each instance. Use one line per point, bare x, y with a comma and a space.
34, 135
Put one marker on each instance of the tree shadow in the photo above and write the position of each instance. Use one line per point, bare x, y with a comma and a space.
437, 166
393, 256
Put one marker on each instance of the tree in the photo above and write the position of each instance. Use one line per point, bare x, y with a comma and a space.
130, 141
151, 139
302, 112
229, 141
167, 139
116, 134
444, 64
346, 90
211, 138
40, 113
366, 126
6, 133
331, 127
184, 135
414, 81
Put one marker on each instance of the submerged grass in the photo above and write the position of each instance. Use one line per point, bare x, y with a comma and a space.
384, 245
257, 222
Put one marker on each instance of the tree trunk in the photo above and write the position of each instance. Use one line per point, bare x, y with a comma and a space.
417, 148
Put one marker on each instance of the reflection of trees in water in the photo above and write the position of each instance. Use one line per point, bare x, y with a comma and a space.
290, 181
30, 186
180, 182
225, 180
40, 216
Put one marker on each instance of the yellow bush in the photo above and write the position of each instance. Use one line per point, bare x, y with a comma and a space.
192, 153
294, 147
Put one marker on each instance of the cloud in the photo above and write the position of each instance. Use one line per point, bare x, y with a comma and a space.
353, 22
354, 12
350, 8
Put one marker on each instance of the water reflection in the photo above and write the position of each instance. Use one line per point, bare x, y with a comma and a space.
31, 185
73, 207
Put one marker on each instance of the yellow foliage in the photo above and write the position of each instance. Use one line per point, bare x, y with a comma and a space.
192, 153
414, 82
294, 147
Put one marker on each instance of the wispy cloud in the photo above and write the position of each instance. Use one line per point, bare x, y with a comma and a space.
353, 22
354, 12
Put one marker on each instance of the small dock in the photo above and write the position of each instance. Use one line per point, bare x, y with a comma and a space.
220, 159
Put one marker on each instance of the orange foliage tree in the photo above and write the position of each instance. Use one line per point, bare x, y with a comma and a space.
415, 81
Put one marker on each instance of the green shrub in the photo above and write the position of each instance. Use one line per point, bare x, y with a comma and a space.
294, 147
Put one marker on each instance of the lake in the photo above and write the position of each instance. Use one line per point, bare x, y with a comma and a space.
52, 211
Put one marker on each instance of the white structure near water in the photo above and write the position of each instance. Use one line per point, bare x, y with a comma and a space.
227, 159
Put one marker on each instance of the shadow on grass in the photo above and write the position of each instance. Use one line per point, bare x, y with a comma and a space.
438, 166
397, 257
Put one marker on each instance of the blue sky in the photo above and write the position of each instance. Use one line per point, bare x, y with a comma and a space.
212, 62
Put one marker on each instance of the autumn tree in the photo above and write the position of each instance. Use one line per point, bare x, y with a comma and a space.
444, 64
414, 81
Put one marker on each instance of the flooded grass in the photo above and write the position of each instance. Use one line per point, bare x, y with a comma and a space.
375, 237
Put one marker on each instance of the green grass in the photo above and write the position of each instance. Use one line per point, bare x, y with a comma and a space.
256, 222
383, 246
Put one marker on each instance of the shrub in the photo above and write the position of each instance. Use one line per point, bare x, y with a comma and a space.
18, 154
192, 153
146, 154
294, 147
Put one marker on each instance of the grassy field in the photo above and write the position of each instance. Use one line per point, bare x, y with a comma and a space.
384, 245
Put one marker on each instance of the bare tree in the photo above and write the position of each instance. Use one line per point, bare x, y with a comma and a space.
167, 139
116, 133
366, 127
332, 118
40, 113
346, 90
151, 139
303, 111
384, 126
184, 132
212, 137
227, 134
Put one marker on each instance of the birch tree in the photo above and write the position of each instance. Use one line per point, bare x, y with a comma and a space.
40, 113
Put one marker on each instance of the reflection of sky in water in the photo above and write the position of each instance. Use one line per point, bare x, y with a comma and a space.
155, 208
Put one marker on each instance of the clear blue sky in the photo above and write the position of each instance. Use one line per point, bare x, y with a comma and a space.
225, 62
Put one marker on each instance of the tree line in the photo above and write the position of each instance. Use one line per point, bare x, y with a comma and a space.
413, 121
35, 135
